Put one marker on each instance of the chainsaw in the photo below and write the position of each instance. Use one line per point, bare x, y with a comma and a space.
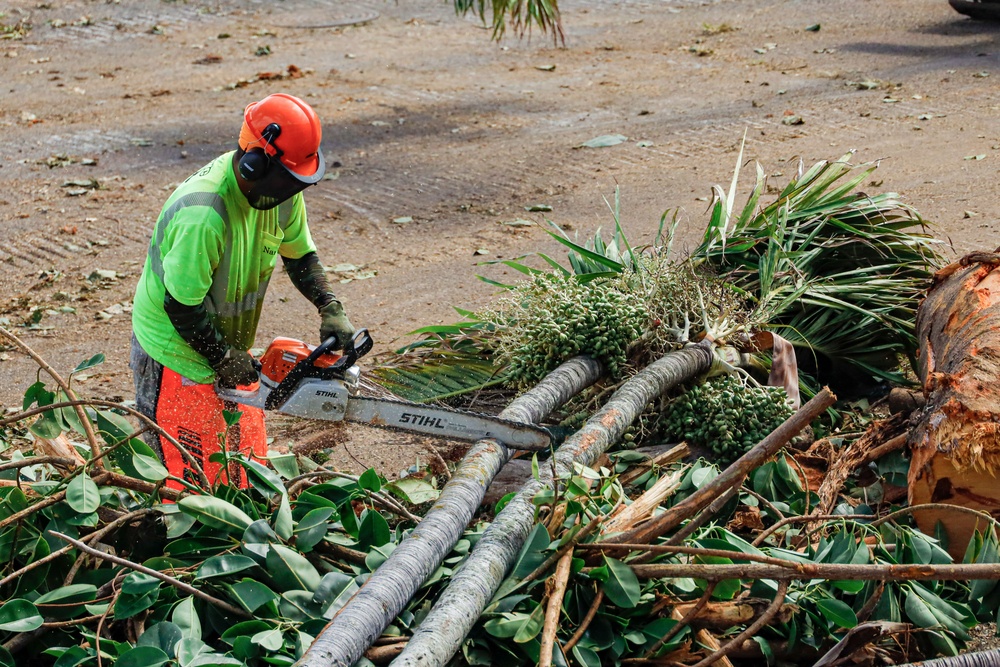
316, 383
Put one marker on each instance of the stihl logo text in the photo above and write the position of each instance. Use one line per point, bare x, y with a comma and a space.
421, 420
328, 394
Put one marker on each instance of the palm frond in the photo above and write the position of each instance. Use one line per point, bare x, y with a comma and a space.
521, 15
438, 377
838, 270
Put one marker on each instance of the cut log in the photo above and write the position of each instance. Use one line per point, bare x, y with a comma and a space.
721, 616
956, 442
61, 447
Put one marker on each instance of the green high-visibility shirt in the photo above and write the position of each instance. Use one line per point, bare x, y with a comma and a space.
209, 246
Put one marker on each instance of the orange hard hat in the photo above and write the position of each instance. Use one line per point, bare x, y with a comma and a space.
286, 128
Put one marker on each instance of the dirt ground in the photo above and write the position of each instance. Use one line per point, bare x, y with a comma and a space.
439, 138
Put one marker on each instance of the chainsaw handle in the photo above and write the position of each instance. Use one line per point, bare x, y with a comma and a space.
359, 346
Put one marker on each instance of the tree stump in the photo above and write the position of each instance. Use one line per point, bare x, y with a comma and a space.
956, 443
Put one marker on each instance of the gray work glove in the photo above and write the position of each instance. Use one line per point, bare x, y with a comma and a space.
334, 323
236, 368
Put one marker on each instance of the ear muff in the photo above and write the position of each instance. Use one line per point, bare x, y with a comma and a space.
255, 161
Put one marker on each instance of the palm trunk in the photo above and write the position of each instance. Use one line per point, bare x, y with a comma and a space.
956, 444
458, 608
981, 659
360, 622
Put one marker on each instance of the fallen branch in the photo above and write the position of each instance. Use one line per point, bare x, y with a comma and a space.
806, 571
361, 621
585, 623
683, 621
734, 475
88, 429
460, 605
754, 627
980, 659
151, 424
859, 453
93, 537
179, 585
725, 615
554, 608
816, 518
692, 551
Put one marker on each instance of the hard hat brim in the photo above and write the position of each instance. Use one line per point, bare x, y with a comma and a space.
309, 172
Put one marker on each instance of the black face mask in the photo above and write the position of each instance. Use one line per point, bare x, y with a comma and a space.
275, 187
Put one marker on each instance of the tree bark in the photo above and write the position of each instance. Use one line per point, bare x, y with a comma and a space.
390, 587
981, 659
458, 608
956, 443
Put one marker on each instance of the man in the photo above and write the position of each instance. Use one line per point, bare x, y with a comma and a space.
199, 298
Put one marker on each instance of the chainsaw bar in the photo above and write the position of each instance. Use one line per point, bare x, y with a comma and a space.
445, 422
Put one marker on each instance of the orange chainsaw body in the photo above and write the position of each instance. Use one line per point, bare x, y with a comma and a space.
283, 354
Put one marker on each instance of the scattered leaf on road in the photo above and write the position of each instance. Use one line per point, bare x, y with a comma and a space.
538, 208
546, 68
403, 220
604, 141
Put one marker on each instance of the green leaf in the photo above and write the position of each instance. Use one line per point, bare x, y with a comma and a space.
252, 594
369, 481
586, 656
148, 468
290, 569
138, 583
191, 651
232, 417
83, 494
95, 360
63, 598
414, 491
532, 626
312, 528
37, 393
262, 478
622, 586
348, 519
333, 592
837, 612
128, 605
215, 513
269, 640
373, 530
178, 523
283, 525
19, 616
506, 626
918, 611
243, 629
221, 566
48, 426
163, 635
186, 617
142, 656
286, 465
532, 553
